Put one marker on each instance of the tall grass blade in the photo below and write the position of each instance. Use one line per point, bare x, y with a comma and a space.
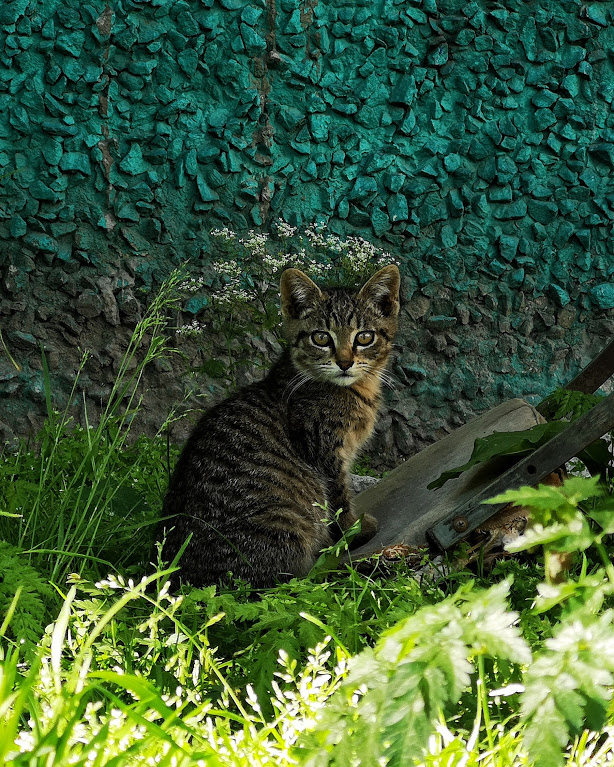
57, 639
10, 612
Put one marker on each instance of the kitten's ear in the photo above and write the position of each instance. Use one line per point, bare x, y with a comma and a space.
383, 290
298, 293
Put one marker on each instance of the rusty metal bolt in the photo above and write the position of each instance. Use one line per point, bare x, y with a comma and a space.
460, 524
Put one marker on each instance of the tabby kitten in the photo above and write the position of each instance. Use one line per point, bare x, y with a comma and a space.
250, 474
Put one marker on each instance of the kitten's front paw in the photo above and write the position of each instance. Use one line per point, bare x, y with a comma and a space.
368, 529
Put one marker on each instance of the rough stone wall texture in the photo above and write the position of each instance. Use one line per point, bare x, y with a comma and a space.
473, 139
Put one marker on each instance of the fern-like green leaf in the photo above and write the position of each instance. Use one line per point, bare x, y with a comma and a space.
568, 687
547, 502
568, 404
492, 629
394, 695
574, 535
603, 514
31, 612
546, 735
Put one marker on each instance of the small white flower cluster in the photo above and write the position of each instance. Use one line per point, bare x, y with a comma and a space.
284, 230
192, 285
275, 262
318, 239
224, 234
305, 695
228, 268
316, 269
232, 293
194, 328
255, 242
113, 582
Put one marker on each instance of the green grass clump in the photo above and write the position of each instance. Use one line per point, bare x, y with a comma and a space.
75, 499
102, 663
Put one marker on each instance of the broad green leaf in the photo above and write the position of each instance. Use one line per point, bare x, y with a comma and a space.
604, 515
574, 535
597, 457
504, 443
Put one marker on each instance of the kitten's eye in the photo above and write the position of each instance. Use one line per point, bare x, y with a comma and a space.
320, 338
365, 337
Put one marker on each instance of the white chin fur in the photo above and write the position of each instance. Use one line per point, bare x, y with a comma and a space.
344, 380
333, 377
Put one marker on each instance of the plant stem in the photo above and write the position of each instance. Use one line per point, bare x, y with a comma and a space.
8, 354
609, 567
483, 701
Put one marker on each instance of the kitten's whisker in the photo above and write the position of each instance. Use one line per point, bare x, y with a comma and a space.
388, 374
302, 380
390, 380
295, 385
385, 377
290, 383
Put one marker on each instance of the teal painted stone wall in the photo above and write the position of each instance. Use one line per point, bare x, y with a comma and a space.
474, 140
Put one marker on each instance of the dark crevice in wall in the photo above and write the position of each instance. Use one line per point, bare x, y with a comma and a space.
108, 145
263, 138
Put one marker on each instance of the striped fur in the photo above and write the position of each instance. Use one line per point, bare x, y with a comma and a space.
248, 480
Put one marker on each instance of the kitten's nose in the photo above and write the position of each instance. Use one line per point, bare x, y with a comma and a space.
345, 364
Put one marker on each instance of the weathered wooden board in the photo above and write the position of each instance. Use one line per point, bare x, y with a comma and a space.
528, 471
403, 505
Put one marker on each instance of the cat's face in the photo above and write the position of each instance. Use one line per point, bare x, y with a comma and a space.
338, 335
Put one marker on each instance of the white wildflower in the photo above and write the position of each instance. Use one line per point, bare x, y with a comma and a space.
224, 234
285, 230
193, 328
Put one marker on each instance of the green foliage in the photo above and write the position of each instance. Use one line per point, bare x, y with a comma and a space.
395, 694
78, 496
561, 408
342, 667
567, 404
87, 485
294, 618
29, 611
72, 707
568, 687
362, 467
556, 519
346, 670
